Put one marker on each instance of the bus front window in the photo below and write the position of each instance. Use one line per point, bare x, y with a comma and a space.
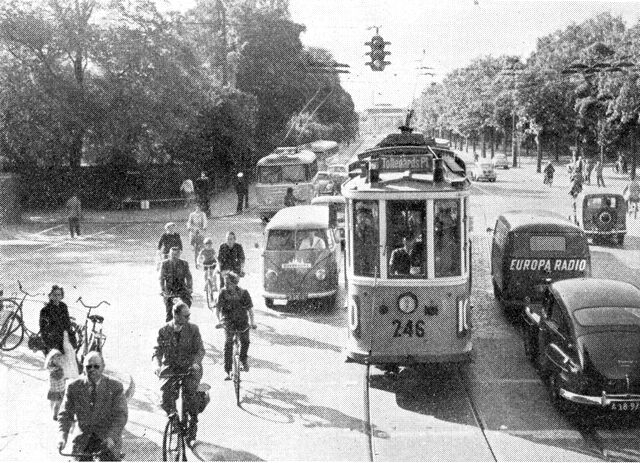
293, 174
406, 239
447, 236
365, 238
269, 174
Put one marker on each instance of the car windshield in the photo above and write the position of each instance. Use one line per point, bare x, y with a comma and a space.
608, 316
281, 240
323, 176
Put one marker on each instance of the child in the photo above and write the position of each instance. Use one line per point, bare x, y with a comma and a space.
57, 382
207, 258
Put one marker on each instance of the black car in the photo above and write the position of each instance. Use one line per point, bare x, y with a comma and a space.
585, 339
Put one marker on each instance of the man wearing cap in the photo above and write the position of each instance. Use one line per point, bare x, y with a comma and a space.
242, 190
235, 313
175, 279
180, 351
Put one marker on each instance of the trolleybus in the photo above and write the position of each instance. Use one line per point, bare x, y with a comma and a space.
408, 255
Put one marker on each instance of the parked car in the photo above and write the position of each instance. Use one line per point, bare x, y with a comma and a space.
323, 184
531, 248
585, 339
483, 170
501, 161
602, 215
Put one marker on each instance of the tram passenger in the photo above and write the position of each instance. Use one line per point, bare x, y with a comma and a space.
400, 262
446, 242
365, 243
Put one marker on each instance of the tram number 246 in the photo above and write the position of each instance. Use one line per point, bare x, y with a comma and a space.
409, 329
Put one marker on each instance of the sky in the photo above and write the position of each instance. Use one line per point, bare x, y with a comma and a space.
442, 34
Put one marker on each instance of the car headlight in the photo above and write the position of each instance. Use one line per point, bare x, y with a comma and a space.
407, 303
271, 276
321, 274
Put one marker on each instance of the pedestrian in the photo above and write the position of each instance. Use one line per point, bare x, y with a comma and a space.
180, 350
54, 362
242, 190
175, 281
188, 192
57, 333
589, 165
98, 405
74, 214
548, 174
631, 194
202, 188
290, 199
598, 169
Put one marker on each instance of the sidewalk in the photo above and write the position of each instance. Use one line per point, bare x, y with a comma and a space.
222, 205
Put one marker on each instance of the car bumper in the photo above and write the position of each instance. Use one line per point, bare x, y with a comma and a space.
295, 297
367, 358
602, 401
486, 177
605, 233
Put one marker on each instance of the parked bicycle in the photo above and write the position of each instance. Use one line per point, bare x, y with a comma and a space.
91, 339
12, 325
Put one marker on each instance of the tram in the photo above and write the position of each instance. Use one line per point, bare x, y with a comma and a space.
408, 254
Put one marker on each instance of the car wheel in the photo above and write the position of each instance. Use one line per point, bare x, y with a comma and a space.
620, 239
268, 302
496, 291
555, 384
530, 346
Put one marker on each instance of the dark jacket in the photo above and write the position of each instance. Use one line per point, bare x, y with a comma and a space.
54, 321
168, 241
231, 258
183, 354
105, 419
234, 308
175, 275
241, 186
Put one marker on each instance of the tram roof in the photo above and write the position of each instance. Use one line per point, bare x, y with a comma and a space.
288, 157
300, 217
538, 219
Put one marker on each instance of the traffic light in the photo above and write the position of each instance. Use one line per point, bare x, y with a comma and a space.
377, 53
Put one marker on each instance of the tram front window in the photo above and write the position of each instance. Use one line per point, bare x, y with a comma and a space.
447, 235
365, 238
406, 239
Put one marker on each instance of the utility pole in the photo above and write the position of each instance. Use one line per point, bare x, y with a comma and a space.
222, 12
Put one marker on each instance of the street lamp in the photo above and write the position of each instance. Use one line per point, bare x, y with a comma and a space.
513, 72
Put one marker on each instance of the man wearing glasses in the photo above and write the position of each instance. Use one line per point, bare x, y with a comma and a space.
180, 350
99, 405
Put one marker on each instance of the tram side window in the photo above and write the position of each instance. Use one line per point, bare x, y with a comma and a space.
447, 235
365, 238
406, 239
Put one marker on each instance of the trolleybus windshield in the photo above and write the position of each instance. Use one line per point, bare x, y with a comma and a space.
285, 173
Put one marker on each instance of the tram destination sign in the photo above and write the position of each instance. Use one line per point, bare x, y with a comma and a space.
402, 162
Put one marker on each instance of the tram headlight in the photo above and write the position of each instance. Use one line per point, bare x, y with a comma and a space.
321, 274
271, 276
407, 303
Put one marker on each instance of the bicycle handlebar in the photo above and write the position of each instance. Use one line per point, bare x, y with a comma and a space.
26, 293
91, 306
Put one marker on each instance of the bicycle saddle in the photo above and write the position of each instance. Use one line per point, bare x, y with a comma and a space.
96, 318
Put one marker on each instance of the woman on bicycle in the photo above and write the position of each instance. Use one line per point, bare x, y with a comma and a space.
197, 225
56, 331
235, 313
207, 258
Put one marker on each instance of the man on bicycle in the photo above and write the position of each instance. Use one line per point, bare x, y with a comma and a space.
231, 256
180, 350
197, 225
175, 280
235, 312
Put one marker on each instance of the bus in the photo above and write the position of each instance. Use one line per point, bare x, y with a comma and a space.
408, 255
286, 167
324, 150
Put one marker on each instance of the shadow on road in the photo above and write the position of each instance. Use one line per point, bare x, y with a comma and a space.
205, 451
136, 448
269, 334
25, 361
217, 357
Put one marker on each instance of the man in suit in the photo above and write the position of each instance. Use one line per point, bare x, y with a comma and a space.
180, 350
176, 279
99, 405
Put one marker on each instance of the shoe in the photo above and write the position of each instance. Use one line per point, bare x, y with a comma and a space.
245, 367
228, 377
192, 433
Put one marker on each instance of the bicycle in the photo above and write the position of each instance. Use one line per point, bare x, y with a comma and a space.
236, 364
93, 340
197, 242
12, 326
211, 285
176, 430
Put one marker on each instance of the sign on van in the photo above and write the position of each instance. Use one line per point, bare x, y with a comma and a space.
549, 265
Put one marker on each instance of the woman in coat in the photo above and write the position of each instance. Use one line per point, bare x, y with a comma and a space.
56, 330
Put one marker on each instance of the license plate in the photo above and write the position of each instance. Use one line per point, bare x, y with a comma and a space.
625, 406
298, 297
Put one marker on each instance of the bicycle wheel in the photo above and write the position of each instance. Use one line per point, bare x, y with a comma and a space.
210, 295
13, 332
173, 445
236, 371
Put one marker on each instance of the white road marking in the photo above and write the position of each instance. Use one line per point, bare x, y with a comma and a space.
48, 229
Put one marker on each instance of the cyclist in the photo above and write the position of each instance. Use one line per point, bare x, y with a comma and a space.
180, 351
235, 312
207, 258
197, 225
631, 195
548, 174
175, 279
168, 240
231, 256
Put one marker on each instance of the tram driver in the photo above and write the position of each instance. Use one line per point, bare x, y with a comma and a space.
400, 261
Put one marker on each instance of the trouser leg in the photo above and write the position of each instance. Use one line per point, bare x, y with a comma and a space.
71, 227
168, 305
240, 201
246, 200
191, 383
244, 346
228, 349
